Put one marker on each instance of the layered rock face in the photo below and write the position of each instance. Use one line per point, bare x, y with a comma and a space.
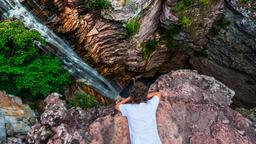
16, 119
232, 54
193, 109
225, 32
199, 19
102, 42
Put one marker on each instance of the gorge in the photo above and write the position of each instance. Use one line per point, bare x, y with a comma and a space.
107, 45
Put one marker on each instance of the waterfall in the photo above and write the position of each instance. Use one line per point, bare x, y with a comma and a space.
71, 61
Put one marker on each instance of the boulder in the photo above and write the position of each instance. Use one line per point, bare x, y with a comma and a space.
58, 124
16, 118
193, 109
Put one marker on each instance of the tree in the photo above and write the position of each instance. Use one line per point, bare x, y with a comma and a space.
24, 71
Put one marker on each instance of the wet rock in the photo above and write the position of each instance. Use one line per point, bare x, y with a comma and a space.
16, 118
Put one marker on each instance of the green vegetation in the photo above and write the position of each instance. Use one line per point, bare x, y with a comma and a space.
168, 34
83, 100
97, 4
182, 5
204, 2
132, 27
24, 70
249, 113
245, 1
184, 21
222, 23
201, 53
148, 47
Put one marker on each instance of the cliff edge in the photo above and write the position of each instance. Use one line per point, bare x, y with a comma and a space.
194, 109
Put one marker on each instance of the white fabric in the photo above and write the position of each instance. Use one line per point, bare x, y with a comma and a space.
142, 121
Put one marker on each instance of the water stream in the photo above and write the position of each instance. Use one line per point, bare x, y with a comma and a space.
71, 61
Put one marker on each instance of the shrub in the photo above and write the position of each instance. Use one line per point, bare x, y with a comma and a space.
184, 20
204, 2
132, 27
23, 70
83, 100
148, 48
222, 23
167, 34
201, 53
97, 4
183, 5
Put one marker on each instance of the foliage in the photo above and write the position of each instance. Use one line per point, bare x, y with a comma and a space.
23, 70
204, 2
184, 21
245, 1
172, 30
182, 5
97, 4
148, 48
83, 100
168, 34
201, 53
249, 113
222, 23
132, 27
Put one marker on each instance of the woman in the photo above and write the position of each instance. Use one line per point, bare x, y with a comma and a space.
140, 110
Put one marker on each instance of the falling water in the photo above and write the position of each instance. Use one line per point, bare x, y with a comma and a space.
71, 61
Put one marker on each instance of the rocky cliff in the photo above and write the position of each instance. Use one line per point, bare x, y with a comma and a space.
16, 119
222, 35
216, 36
194, 109
100, 36
231, 51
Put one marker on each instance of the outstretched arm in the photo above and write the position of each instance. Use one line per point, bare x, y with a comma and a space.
151, 94
122, 102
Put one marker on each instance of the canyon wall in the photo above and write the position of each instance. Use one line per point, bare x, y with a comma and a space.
217, 37
222, 35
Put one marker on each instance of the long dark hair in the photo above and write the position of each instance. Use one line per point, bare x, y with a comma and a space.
138, 93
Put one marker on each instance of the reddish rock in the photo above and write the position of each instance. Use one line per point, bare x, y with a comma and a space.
193, 109
104, 43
